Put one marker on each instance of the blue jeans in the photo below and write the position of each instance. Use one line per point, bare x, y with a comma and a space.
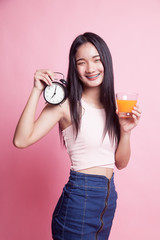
85, 209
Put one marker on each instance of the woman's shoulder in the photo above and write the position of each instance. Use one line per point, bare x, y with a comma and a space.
56, 111
66, 120
65, 106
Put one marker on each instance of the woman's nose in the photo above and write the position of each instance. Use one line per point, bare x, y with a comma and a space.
90, 67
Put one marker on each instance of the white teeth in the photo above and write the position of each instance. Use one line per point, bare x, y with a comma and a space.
93, 76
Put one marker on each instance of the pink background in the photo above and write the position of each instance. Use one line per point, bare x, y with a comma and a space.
37, 34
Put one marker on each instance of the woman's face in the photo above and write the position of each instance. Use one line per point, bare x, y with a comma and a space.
89, 65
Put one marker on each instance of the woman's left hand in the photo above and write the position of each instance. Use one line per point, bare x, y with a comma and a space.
127, 124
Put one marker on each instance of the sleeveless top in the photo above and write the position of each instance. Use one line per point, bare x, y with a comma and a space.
90, 148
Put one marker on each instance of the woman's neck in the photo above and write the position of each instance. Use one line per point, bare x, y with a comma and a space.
92, 96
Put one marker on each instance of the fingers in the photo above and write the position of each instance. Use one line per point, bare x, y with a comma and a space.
44, 75
136, 113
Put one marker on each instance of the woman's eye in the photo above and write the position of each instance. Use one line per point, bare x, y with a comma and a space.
98, 60
80, 63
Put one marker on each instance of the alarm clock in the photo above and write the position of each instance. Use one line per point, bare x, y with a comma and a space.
57, 92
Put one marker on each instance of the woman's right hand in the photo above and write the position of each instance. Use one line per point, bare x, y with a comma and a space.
42, 78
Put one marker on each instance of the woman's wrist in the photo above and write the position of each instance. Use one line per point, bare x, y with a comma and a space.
35, 95
125, 133
37, 91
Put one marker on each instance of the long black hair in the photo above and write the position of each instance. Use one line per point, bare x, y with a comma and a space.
107, 95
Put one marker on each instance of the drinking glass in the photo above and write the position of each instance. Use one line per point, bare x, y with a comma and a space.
125, 103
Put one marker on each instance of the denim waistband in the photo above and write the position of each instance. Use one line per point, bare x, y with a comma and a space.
92, 180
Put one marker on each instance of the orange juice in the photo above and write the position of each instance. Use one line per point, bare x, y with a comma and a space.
126, 106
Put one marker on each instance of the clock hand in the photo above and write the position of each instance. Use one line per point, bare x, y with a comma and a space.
54, 92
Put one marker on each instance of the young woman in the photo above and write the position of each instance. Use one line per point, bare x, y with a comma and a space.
95, 137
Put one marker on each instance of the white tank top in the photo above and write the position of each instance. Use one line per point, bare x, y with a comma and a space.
90, 149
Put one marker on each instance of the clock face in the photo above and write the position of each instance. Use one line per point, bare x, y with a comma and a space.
55, 93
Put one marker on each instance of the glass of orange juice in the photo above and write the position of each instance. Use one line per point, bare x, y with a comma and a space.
125, 103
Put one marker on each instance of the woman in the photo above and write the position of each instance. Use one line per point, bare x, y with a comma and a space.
95, 137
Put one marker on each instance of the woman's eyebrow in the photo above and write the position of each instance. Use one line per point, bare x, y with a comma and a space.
82, 59
96, 56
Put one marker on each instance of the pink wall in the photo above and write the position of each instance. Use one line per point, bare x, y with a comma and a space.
37, 34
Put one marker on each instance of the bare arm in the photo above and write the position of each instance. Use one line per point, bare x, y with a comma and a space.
123, 151
29, 130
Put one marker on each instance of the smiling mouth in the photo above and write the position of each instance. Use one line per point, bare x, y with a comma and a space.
93, 77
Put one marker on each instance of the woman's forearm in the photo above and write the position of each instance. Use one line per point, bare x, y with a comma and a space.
123, 151
26, 122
